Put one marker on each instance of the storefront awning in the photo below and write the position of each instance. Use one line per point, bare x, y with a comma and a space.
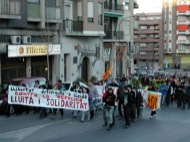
113, 15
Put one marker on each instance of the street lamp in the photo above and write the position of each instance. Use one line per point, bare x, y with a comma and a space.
123, 19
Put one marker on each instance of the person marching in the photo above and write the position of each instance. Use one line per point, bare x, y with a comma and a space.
110, 107
104, 106
76, 88
87, 113
58, 87
153, 111
127, 104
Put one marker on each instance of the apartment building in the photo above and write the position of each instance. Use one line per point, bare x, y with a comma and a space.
82, 38
118, 27
148, 37
58, 39
176, 33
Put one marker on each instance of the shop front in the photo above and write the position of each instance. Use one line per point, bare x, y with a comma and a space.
28, 61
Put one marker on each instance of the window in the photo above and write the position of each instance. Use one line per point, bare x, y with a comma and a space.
79, 5
34, 1
126, 5
142, 44
100, 13
143, 36
143, 27
90, 12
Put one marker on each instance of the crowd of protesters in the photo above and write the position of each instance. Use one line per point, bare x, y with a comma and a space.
174, 89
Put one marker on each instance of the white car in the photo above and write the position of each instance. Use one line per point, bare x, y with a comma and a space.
66, 86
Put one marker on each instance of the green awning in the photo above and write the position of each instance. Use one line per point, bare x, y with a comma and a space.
113, 15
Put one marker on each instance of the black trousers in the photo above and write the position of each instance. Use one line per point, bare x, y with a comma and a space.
60, 110
127, 115
133, 112
153, 112
120, 105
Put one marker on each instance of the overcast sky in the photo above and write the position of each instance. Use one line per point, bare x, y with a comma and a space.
149, 6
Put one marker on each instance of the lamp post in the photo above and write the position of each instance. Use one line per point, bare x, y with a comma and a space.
123, 19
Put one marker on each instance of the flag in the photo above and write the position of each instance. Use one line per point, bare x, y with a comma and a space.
107, 73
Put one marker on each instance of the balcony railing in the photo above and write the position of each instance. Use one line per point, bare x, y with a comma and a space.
115, 35
53, 13
10, 7
113, 7
71, 26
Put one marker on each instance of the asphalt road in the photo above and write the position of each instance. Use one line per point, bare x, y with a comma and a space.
171, 125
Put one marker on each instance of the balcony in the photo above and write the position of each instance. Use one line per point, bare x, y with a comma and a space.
181, 3
53, 14
147, 39
10, 9
72, 27
185, 22
113, 10
185, 41
114, 35
183, 13
33, 12
149, 22
147, 31
186, 32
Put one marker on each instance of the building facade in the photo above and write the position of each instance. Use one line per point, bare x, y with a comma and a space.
57, 39
82, 38
176, 33
118, 27
65, 39
28, 24
148, 38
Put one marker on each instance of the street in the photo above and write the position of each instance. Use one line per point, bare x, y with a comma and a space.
170, 125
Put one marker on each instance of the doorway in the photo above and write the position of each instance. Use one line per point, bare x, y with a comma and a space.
84, 69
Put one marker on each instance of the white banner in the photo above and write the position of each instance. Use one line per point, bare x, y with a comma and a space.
151, 98
47, 98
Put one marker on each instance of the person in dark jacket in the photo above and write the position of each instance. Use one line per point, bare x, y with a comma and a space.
120, 100
110, 106
127, 104
139, 102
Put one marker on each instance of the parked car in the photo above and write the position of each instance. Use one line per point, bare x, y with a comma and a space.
66, 86
28, 82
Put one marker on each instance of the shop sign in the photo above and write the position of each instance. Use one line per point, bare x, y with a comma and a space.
107, 53
33, 50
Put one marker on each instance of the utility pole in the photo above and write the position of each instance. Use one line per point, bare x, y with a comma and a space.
48, 51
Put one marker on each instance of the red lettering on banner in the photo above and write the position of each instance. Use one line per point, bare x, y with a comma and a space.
85, 104
69, 98
77, 104
71, 104
66, 104
81, 106
35, 95
80, 100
